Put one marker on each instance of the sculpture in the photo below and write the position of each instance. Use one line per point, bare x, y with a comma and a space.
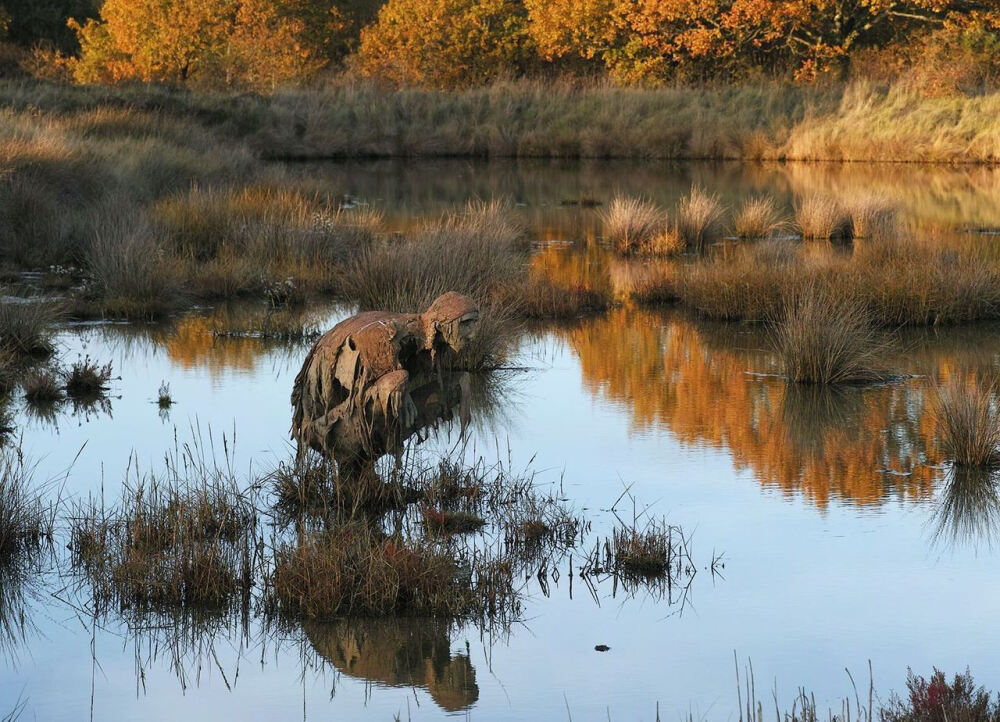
378, 377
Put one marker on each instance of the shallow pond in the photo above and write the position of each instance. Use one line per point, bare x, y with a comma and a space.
840, 534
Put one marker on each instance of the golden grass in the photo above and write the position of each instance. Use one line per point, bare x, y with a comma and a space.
970, 423
757, 218
635, 225
699, 216
822, 218
875, 218
824, 337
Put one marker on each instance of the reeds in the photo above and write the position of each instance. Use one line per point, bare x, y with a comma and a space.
635, 225
826, 338
699, 215
822, 218
26, 327
26, 520
87, 378
757, 218
969, 420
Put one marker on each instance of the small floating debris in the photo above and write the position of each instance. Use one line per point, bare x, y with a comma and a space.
601, 648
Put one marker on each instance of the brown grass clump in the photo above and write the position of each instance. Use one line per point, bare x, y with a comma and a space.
758, 218
183, 544
875, 218
356, 570
26, 521
826, 338
822, 218
698, 217
635, 225
541, 298
41, 386
26, 328
970, 423
87, 378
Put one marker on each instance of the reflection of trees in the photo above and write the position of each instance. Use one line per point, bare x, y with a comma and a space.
708, 385
399, 652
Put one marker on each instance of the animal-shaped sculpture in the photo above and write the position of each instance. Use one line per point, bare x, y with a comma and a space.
378, 377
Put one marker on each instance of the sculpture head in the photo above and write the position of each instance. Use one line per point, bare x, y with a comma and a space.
452, 321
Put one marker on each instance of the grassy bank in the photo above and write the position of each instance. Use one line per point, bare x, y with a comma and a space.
856, 122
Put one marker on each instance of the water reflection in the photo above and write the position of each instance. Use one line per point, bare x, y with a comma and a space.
399, 653
713, 385
968, 512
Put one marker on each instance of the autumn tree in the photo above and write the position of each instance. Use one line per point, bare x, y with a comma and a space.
250, 43
447, 43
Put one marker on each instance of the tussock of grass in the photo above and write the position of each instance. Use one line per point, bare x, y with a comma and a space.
875, 218
163, 398
826, 338
758, 218
635, 225
699, 215
26, 327
41, 386
822, 218
87, 378
182, 543
541, 298
970, 423
355, 570
26, 520
128, 265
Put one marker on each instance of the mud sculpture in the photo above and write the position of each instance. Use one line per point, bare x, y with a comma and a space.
377, 378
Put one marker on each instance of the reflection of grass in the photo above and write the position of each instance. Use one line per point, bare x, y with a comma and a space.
969, 508
970, 424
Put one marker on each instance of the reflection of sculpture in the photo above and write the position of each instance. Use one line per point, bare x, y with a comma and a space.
377, 377
399, 652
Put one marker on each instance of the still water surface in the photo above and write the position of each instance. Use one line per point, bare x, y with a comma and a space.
831, 507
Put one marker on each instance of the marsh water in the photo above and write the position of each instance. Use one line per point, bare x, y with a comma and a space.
838, 533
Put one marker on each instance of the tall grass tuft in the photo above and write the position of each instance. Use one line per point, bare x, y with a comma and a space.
26, 327
635, 225
128, 264
26, 520
875, 218
822, 218
826, 338
970, 423
758, 218
699, 215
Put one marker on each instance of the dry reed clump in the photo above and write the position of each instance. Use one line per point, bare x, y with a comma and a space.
182, 543
26, 519
476, 252
824, 337
643, 554
750, 284
26, 327
875, 219
41, 386
822, 218
969, 420
87, 378
542, 298
357, 570
230, 242
699, 216
758, 218
128, 264
635, 225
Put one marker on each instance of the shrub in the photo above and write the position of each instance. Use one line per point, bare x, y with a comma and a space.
935, 700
